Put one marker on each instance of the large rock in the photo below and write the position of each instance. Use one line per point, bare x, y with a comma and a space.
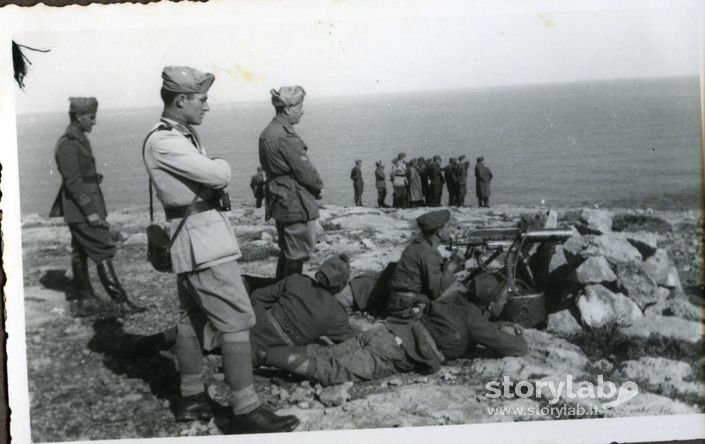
613, 247
563, 324
594, 270
335, 395
644, 241
596, 221
639, 286
658, 266
600, 307
677, 307
665, 326
574, 246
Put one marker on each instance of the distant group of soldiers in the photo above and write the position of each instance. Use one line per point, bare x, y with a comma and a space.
419, 182
277, 321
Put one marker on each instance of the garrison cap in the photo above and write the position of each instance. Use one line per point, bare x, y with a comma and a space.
485, 287
358, 161
186, 80
462, 157
83, 105
378, 163
480, 159
288, 95
433, 220
436, 157
452, 160
334, 272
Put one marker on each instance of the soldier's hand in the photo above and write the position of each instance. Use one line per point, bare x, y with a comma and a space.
511, 328
94, 220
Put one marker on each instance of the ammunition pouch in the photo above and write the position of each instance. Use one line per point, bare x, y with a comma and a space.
406, 304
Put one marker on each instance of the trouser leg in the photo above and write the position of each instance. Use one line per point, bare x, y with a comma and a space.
82, 288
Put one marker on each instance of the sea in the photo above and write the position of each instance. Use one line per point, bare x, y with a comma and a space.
634, 142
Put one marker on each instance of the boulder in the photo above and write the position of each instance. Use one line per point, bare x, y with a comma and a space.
665, 326
596, 221
613, 247
644, 241
639, 286
558, 260
600, 307
563, 324
677, 307
574, 246
551, 219
594, 270
658, 267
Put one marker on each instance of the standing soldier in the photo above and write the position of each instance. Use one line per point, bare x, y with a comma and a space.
293, 182
451, 184
400, 182
463, 182
204, 256
80, 201
380, 184
483, 177
461, 178
436, 178
358, 184
258, 185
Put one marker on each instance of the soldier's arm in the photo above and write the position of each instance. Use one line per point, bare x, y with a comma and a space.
491, 335
303, 170
269, 295
434, 277
67, 157
174, 153
340, 329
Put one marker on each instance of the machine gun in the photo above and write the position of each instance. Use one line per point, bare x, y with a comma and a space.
525, 304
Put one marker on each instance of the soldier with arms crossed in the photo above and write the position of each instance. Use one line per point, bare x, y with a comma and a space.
204, 256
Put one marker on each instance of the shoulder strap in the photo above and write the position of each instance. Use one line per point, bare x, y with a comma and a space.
151, 197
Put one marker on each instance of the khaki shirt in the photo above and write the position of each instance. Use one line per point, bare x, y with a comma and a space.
178, 166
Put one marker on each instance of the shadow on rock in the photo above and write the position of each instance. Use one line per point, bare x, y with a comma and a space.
121, 355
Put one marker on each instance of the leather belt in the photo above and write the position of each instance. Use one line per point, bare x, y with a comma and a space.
179, 212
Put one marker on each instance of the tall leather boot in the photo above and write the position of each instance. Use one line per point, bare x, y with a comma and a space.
112, 285
280, 267
87, 302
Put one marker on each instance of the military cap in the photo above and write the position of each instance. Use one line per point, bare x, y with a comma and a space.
485, 288
334, 272
378, 163
462, 157
436, 157
401, 155
433, 220
83, 105
452, 160
186, 80
358, 161
480, 159
288, 95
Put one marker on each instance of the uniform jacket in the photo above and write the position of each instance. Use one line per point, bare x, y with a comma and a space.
483, 176
435, 174
304, 309
415, 189
464, 177
417, 343
420, 269
398, 174
356, 175
80, 193
292, 180
380, 178
179, 167
257, 184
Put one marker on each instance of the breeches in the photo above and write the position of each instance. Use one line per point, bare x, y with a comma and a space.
297, 240
370, 355
214, 305
94, 242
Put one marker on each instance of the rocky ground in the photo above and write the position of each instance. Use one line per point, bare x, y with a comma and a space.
625, 305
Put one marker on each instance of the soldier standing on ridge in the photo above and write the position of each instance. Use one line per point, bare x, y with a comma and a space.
436, 177
259, 185
380, 184
293, 182
483, 177
451, 184
400, 182
463, 190
214, 306
80, 201
358, 183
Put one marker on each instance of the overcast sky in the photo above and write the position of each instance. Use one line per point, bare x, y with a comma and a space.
336, 48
